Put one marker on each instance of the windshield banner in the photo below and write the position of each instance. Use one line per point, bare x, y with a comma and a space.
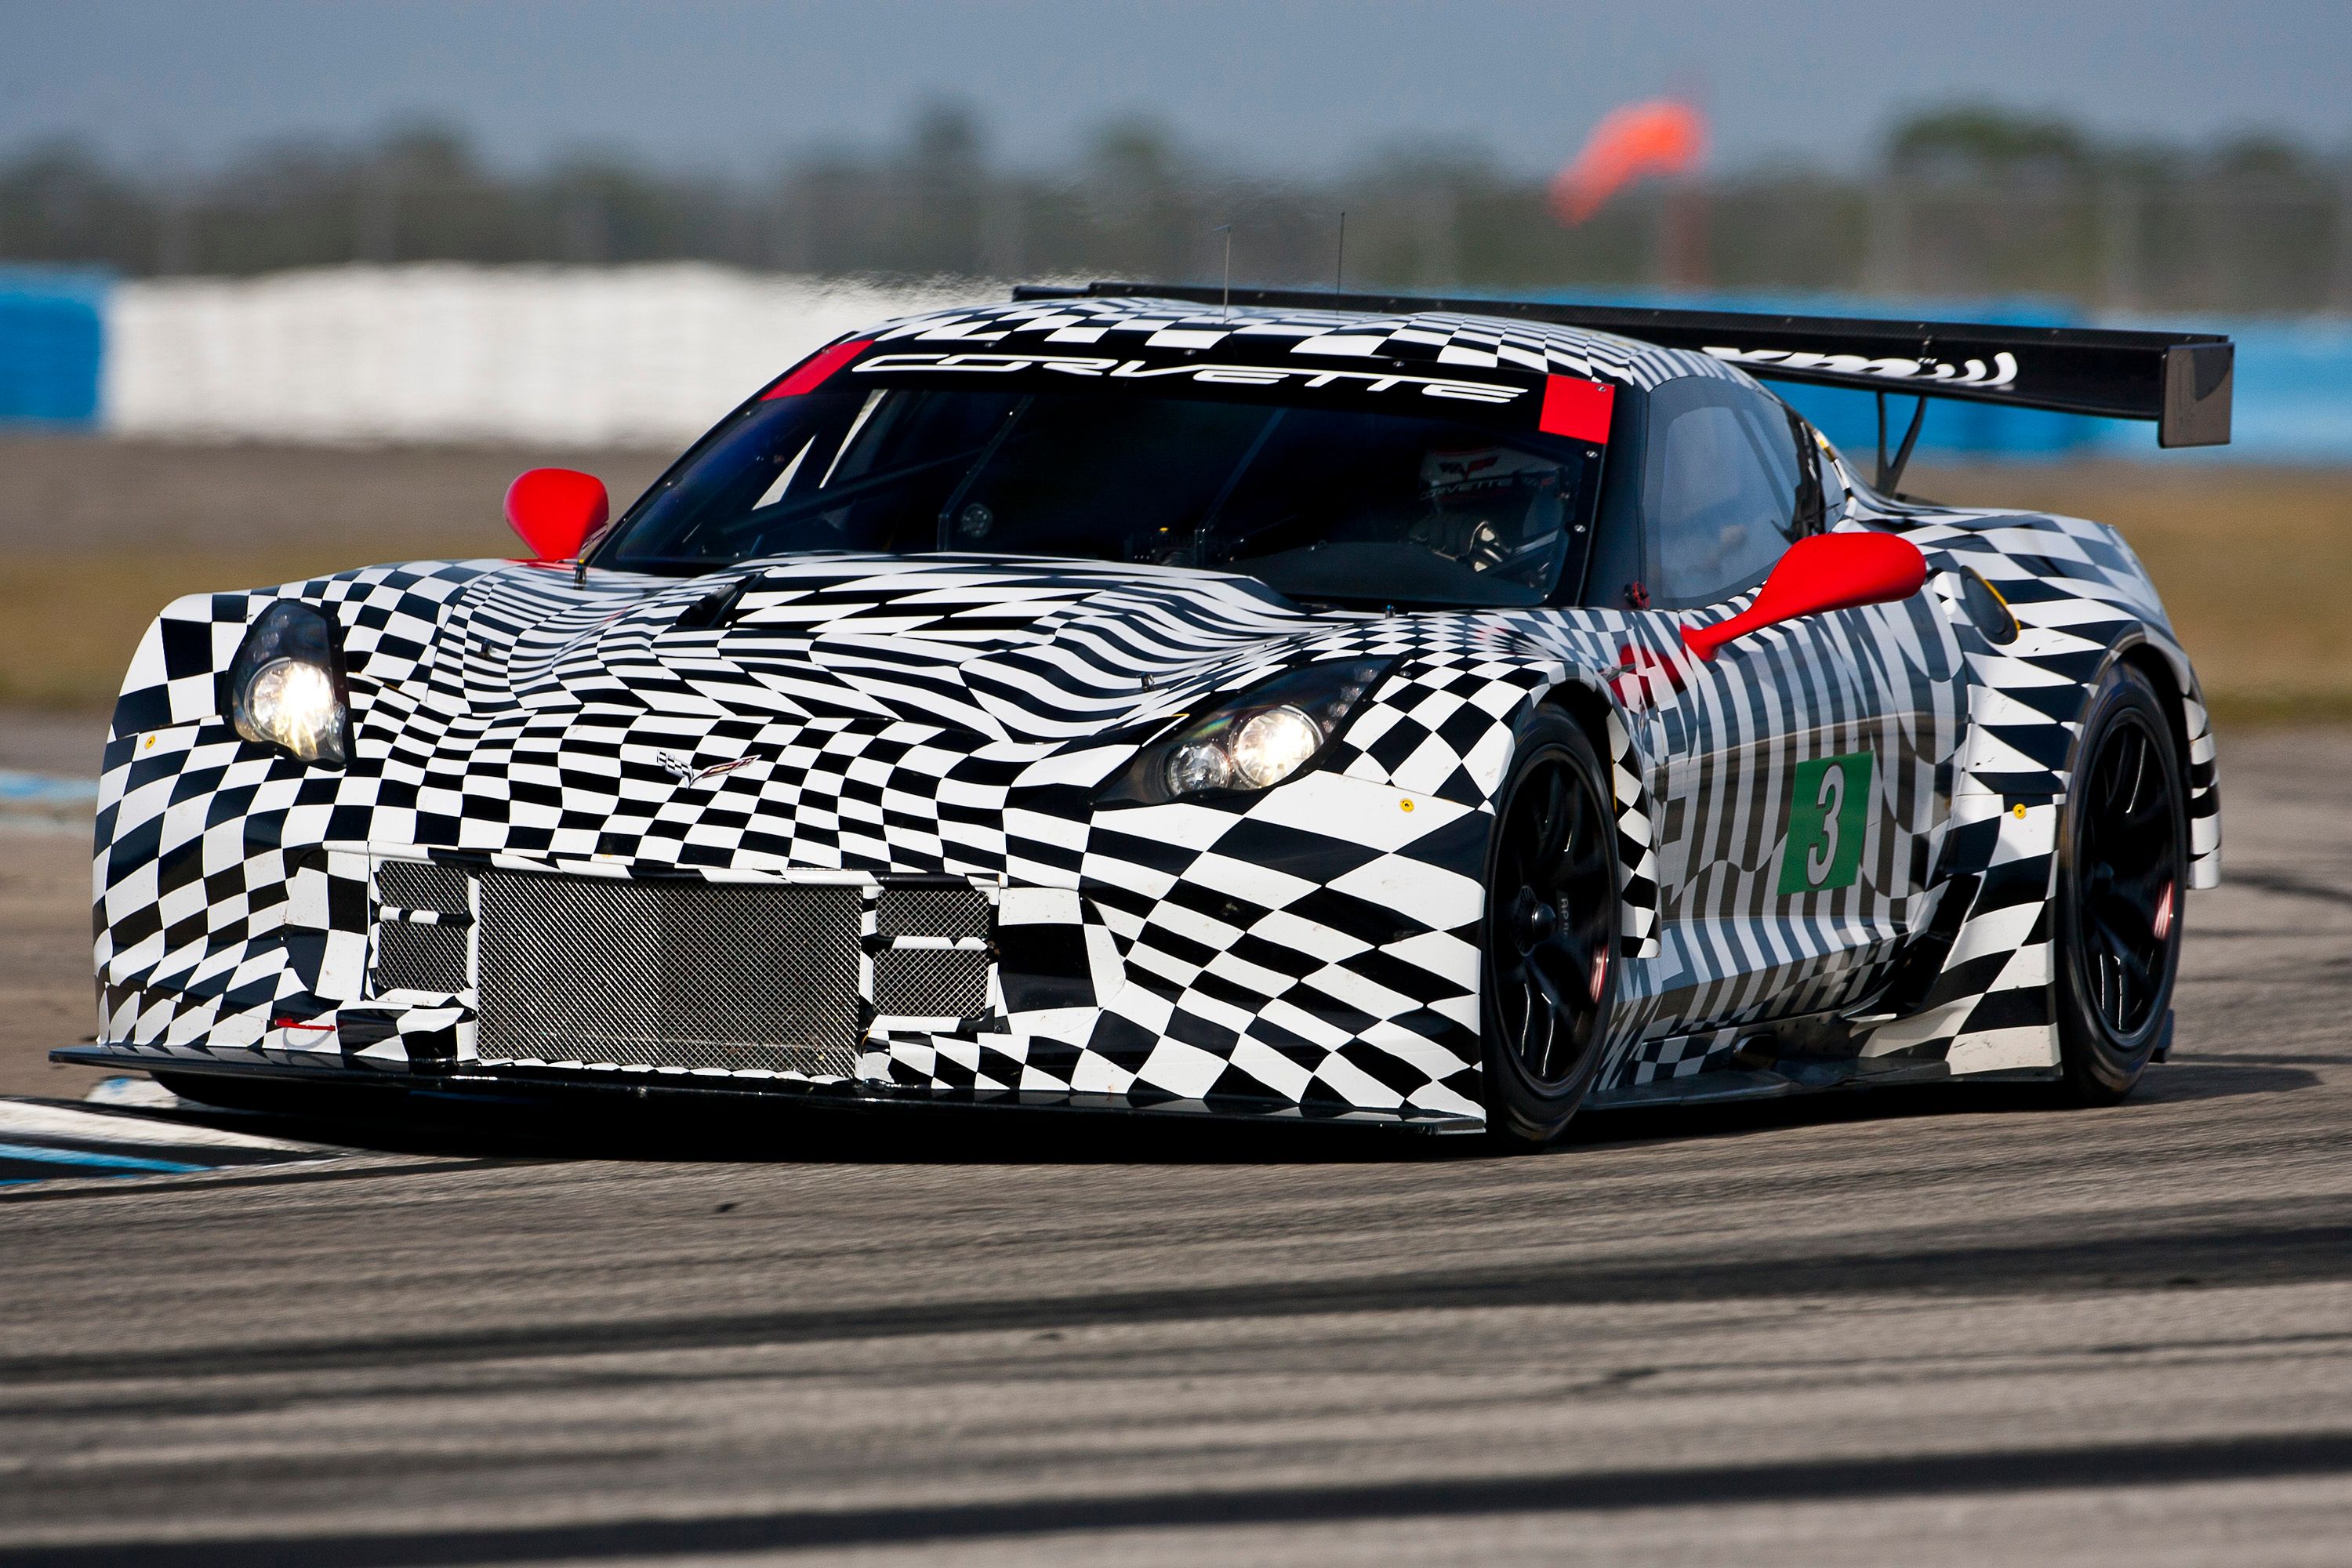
1560, 404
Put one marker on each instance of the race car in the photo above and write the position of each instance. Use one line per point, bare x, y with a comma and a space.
1437, 715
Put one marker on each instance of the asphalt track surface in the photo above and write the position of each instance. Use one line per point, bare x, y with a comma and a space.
1909, 1328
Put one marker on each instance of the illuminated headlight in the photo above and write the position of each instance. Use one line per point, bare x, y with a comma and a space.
1271, 746
286, 686
1266, 734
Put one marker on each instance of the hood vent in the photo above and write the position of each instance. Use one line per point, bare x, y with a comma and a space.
714, 609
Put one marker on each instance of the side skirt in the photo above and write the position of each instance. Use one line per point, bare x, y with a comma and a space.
1780, 1080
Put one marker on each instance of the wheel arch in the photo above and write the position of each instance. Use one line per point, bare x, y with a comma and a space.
1588, 702
2137, 653
2167, 670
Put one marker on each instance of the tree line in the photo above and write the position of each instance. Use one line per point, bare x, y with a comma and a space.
1959, 201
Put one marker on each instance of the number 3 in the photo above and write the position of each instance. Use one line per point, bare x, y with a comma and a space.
1823, 856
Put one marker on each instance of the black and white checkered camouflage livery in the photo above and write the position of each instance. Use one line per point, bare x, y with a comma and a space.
874, 723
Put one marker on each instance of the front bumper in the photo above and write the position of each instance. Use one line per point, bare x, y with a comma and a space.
1240, 988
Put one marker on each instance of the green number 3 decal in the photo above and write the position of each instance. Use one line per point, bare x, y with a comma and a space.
1827, 802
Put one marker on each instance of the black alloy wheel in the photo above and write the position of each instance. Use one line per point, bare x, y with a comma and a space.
2122, 879
1551, 933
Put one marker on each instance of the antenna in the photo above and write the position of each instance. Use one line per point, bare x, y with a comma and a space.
1225, 306
1340, 265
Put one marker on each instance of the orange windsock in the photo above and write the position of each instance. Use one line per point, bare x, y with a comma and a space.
1661, 136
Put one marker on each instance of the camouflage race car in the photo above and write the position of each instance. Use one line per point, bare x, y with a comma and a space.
1432, 713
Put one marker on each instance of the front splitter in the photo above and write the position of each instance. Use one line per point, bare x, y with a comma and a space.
555, 1085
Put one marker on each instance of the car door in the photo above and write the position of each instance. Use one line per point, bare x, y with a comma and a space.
1802, 766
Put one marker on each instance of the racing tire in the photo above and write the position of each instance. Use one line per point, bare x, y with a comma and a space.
2123, 877
1548, 944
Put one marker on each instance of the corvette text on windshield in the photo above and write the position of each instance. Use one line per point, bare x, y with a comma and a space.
1486, 392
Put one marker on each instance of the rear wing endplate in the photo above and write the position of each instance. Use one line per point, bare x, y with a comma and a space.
2181, 381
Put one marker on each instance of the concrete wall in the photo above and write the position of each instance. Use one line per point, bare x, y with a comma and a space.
649, 355
652, 355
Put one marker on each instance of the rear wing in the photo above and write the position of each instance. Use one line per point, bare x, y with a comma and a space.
2181, 381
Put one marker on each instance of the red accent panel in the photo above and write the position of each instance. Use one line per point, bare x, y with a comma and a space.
1826, 571
1577, 409
555, 508
811, 370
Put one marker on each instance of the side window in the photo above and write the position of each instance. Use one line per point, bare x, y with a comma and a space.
1722, 482
1615, 578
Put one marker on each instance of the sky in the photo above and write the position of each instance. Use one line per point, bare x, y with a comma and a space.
1271, 86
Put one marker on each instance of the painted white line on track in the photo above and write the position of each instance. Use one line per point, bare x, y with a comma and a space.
47, 802
139, 1093
44, 1141
23, 791
20, 1117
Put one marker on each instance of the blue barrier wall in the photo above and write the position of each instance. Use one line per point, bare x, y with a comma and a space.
52, 345
1953, 429
2293, 400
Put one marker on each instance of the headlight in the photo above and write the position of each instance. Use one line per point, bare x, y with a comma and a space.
1271, 746
286, 685
1268, 734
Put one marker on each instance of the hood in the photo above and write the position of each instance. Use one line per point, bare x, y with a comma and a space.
1023, 651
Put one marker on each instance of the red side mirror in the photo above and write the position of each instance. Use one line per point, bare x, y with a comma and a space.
555, 508
1826, 571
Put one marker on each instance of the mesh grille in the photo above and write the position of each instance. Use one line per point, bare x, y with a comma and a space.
931, 981
670, 972
420, 957
931, 912
421, 885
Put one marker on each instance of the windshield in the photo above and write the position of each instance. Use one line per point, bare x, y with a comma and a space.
1330, 504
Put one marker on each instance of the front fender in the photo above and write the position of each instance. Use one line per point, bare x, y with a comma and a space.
1449, 726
